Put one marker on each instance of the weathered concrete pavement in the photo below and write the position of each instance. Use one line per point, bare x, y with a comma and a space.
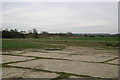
79, 62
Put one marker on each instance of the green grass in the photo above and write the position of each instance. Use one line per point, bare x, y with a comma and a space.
101, 39
19, 44
44, 43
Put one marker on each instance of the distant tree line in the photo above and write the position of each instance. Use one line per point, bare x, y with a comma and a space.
11, 34
14, 33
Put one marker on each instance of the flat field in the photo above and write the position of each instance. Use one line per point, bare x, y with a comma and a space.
60, 58
106, 42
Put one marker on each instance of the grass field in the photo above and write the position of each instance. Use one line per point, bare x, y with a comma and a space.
44, 43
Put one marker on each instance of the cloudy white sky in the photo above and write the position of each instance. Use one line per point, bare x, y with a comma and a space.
77, 17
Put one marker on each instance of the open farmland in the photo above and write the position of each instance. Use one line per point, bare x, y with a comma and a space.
107, 42
60, 58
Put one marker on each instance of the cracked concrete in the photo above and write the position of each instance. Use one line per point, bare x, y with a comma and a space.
113, 61
80, 56
10, 58
25, 73
76, 67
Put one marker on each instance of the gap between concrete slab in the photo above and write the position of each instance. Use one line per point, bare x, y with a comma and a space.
61, 74
60, 59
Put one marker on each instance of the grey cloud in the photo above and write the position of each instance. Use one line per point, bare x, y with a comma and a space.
62, 16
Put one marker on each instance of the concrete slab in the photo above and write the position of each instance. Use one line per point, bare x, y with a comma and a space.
25, 73
48, 55
17, 52
76, 67
13, 52
91, 58
72, 53
75, 77
0, 72
87, 51
113, 61
8, 58
60, 52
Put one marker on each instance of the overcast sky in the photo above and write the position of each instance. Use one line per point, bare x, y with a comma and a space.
78, 17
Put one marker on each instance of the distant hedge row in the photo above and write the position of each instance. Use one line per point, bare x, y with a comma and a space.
14, 33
